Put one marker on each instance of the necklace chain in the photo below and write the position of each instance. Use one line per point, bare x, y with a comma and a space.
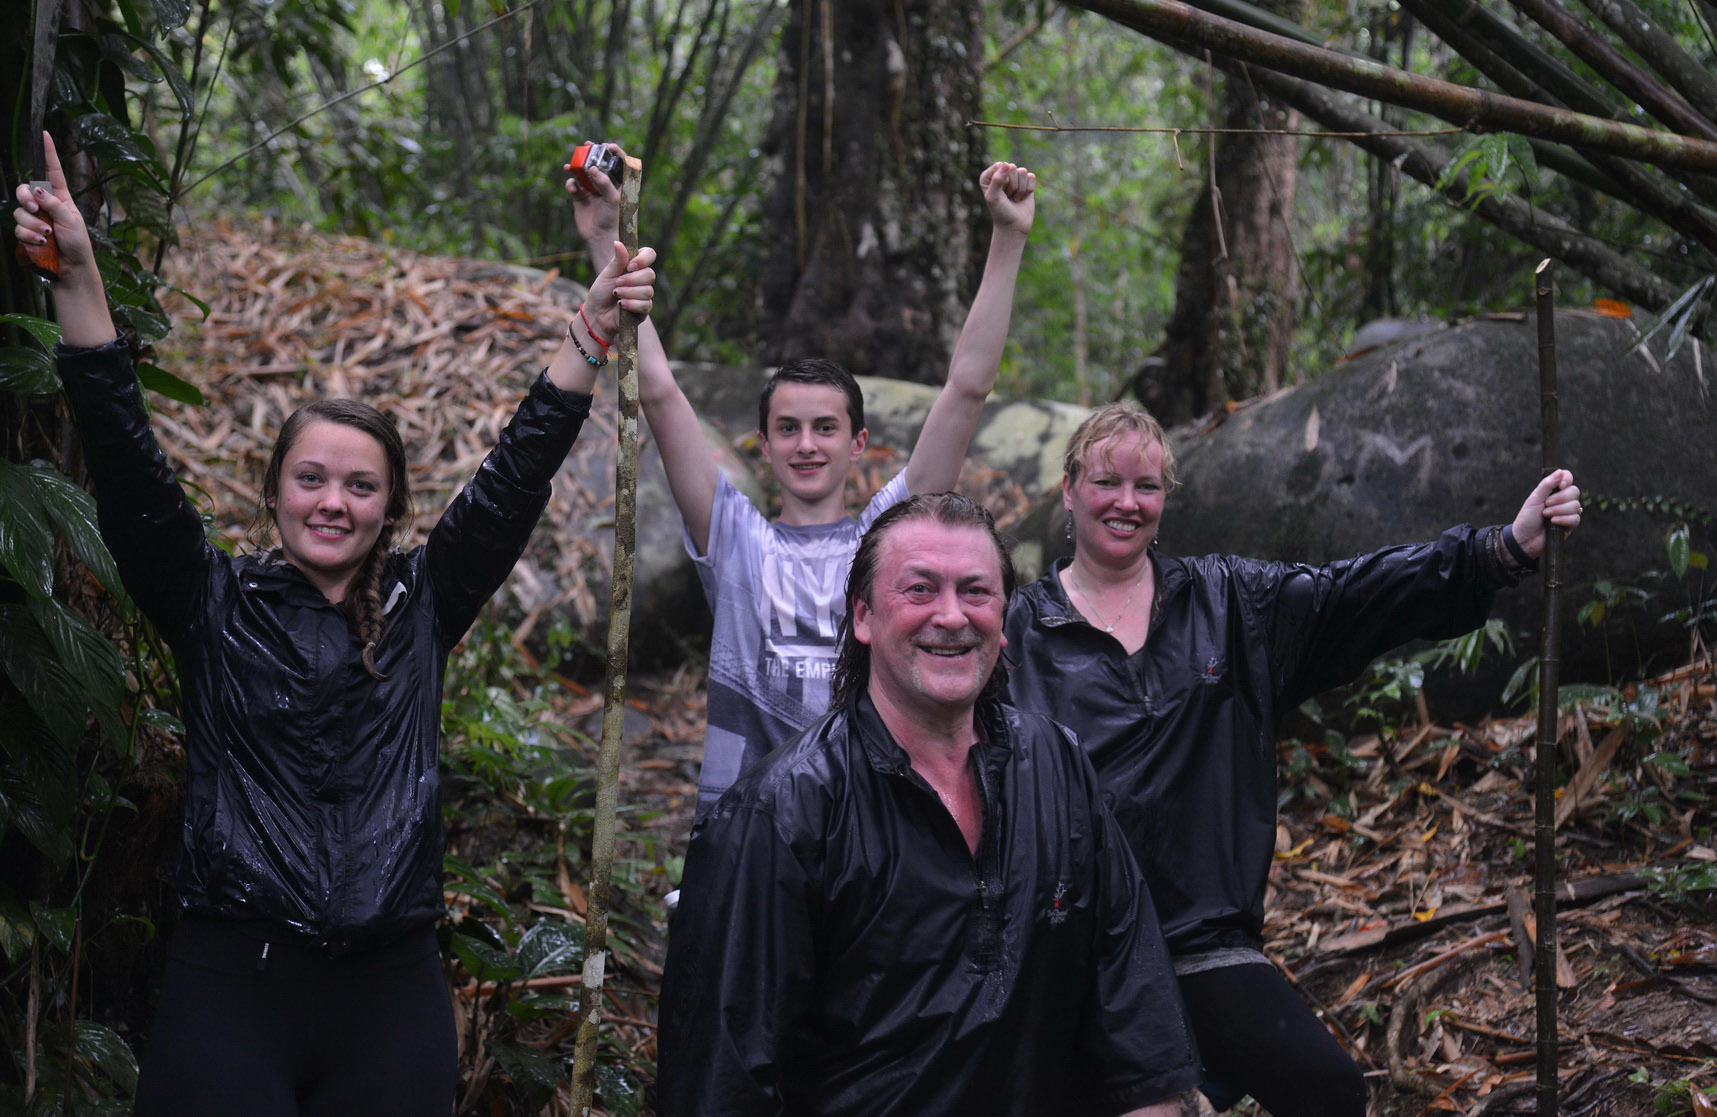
1125, 605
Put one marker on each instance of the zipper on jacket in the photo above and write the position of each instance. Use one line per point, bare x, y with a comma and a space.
986, 950
262, 959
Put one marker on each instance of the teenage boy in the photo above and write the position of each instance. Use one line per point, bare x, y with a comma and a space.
775, 586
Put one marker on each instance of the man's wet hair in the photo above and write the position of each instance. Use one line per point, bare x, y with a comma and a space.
852, 661
814, 370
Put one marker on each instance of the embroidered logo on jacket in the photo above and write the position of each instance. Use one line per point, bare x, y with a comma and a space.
1058, 905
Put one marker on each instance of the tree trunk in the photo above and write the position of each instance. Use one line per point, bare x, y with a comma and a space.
871, 245
1237, 287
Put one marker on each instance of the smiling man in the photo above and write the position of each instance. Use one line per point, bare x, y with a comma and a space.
922, 905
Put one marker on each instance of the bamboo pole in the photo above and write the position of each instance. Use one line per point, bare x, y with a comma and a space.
614, 689
1473, 109
1549, 665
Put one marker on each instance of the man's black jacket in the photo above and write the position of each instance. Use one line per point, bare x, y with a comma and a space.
313, 797
839, 949
1183, 732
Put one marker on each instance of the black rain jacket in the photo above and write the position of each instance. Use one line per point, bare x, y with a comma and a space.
313, 792
1183, 733
840, 950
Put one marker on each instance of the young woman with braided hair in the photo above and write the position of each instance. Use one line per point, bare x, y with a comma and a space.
304, 976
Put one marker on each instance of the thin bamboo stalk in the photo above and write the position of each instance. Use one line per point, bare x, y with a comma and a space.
1549, 669
614, 688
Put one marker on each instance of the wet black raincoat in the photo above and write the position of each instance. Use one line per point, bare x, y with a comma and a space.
313, 791
840, 950
1183, 733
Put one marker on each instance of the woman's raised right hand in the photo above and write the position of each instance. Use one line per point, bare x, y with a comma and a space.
42, 212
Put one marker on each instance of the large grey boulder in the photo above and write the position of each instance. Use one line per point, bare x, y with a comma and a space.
1392, 447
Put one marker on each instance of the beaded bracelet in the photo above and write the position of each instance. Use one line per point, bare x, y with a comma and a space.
576, 344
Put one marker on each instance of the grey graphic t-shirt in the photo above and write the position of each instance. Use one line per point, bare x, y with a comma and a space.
776, 592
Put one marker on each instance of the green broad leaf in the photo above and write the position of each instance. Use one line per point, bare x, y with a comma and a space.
175, 80
73, 513
1672, 762
551, 948
29, 658
43, 330
163, 721
484, 961
1679, 547
17, 929
147, 319
118, 49
158, 379
55, 924
26, 542
89, 658
116, 145
102, 1049
537, 1006
29, 371
38, 788
170, 14
621, 1094
536, 1074
1520, 150
466, 881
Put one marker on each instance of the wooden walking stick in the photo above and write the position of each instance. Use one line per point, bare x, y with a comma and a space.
614, 689
1549, 664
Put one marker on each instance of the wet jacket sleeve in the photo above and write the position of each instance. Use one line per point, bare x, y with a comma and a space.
739, 968
1324, 624
1136, 1045
484, 531
149, 525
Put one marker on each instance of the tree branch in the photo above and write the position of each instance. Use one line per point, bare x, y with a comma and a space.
1592, 259
1470, 108
1615, 67
1620, 179
1660, 51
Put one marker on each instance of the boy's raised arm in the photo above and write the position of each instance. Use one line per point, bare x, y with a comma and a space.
686, 454
1009, 192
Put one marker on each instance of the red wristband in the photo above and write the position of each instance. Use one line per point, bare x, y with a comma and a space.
594, 336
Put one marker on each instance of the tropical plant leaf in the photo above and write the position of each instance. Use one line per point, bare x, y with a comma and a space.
170, 14
176, 80
484, 961
26, 543
27, 370
158, 379
30, 659
73, 512
38, 788
55, 924
44, 330
116, 146
17, 929
91, 660
102, 1048
1679, 546
550, 948
535, 1074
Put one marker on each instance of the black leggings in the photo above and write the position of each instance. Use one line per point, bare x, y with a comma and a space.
1257, 1035
298, 1034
